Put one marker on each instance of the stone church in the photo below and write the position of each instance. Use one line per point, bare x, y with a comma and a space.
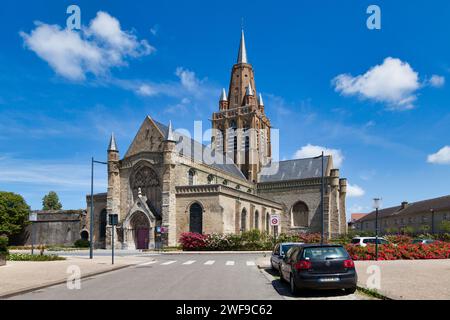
168, 181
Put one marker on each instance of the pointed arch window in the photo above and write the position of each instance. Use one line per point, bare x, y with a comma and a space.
191, 177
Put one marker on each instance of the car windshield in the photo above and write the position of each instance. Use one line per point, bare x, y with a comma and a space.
324, 253
355, 241
285, 248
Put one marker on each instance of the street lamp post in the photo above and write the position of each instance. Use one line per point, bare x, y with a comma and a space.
376, 205
432, 221
91, 223
321, 202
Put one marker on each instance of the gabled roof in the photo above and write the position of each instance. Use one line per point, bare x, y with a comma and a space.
293, 169
218, 160
437, 204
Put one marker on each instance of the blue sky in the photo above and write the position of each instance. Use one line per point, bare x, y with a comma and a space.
377, 99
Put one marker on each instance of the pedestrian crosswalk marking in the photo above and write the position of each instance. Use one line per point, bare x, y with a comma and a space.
210, 262
189, 262
230, 263
167, 263
147, 263
250, 263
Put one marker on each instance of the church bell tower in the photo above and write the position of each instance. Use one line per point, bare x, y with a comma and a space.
241, 128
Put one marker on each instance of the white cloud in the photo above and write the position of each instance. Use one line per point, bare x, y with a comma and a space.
59, 176
354, 191
437, 81
146, 90
310, 151
94, 49
393, 82
440, 157
188, 79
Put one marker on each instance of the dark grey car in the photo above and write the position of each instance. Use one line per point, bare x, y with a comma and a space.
312, 266
279, 252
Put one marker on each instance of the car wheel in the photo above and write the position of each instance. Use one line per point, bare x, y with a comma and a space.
350, 290
294, 289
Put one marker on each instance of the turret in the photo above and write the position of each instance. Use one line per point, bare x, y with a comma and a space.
169, 146
113, 195
223, 102
261, 103
249, 96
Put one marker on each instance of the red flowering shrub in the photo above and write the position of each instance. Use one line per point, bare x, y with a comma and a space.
309, 237
436, 250
399, 239
193, 241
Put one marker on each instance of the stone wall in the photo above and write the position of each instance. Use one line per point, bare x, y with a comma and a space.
61, 228
289, 193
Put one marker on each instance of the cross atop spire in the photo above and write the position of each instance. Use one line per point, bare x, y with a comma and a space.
242, 56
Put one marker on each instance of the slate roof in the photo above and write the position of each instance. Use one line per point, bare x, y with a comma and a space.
217, 160
293, 170
437, 204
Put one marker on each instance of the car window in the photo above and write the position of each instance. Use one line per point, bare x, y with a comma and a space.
355, 241
285, 248
368, 241
277, 249
322, 253
417, 241
381, 241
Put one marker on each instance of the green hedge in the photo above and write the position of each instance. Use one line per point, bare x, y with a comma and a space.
30, 257
3, 245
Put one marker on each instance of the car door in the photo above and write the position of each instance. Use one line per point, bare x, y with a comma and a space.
288, 262
284, 267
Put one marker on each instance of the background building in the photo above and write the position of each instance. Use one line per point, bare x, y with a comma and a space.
422, 216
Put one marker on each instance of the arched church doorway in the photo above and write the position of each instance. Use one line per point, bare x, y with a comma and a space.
141, 230
196, 218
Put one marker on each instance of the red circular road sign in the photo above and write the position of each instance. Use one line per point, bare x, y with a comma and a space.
275, 221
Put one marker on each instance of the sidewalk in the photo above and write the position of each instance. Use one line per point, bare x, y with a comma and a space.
20, 276
403, 279
409, 279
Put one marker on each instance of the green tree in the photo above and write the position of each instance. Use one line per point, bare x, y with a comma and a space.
14, 213
51, 202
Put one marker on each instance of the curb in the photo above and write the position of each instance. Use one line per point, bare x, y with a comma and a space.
372, 293
57, 282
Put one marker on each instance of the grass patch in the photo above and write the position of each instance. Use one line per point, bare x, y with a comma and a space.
30, 257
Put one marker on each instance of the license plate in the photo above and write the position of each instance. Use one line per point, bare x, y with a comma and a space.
328, 279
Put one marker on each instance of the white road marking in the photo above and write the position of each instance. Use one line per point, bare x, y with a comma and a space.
167, 263
210, 262
250, 263
189, 262
229, 263
147, 263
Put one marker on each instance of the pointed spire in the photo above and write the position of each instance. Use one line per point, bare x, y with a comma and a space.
170, 137
113, 144
249, 91
260, 100
242, 56
223, 97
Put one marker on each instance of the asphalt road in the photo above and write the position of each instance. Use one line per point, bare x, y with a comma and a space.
183, 277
